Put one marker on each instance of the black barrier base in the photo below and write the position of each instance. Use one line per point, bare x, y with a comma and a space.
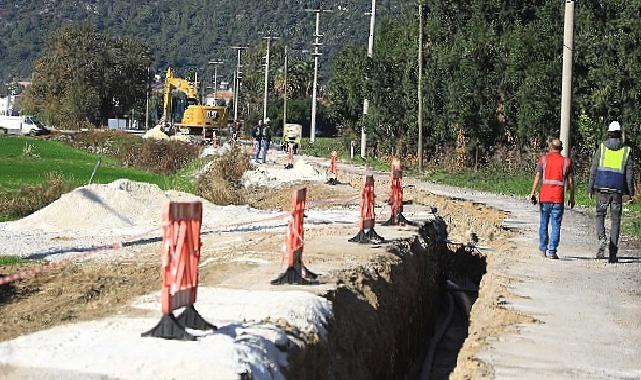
294, 274
289, 166
368, 236
333, 182
169, 328
191, 319
293, 277
290, 276
397, 220
310, 274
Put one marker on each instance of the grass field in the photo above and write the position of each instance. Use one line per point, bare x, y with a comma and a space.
35, 172
18, 170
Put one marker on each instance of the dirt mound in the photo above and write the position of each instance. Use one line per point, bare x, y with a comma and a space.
156, 133
122, 204
274, 177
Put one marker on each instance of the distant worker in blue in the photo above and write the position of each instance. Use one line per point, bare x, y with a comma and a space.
611, 178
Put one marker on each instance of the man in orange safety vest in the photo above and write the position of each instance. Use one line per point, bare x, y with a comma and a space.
553, 172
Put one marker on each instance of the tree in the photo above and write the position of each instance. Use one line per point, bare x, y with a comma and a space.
84, 77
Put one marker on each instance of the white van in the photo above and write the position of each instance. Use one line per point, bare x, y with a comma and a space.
21, 125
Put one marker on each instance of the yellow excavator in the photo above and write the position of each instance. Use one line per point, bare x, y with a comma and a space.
197, 118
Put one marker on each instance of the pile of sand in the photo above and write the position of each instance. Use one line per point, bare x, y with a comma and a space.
215, 151
275, 177
122, 205
156, 133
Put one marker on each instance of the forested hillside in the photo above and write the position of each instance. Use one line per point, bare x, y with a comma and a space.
184, 34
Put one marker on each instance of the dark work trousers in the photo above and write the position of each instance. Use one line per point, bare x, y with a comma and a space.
614, 201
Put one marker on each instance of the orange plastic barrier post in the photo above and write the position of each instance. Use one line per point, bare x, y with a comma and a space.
333, 172
296, 272
290, 156
181, 224
367, 233
396, 196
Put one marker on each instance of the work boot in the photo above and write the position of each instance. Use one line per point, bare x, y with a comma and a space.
600, 253
613, 254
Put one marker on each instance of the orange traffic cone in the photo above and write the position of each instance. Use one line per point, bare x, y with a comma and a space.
396, 196
367, 233
296, 272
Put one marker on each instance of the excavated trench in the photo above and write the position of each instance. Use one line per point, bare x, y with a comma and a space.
403, 316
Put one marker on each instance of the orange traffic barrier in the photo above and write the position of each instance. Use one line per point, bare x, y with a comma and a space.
367, 233
296, 272
396, 196
181, 224
290, 156
333, 172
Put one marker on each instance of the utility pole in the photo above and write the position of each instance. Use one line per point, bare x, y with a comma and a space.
267, 56
566, 88
370, 54
197, 86
237, 78
420, 86
316, 54
285, 93
216, 62
147, 103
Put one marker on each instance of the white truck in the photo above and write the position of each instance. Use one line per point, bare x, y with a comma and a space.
21, 125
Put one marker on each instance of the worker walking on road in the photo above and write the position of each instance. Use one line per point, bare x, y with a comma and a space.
553, 172
611, 177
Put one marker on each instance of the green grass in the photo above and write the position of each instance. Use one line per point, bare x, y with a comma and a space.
76, 165
520, 184
323, 147
6, 261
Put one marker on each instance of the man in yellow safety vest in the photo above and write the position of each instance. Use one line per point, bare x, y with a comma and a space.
611, 178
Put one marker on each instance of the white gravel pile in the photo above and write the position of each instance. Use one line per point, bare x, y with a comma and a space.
275, 176
122, 204
215, 151
156, 133
102, 214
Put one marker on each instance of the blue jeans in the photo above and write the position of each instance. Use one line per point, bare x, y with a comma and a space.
550, 212
265, 146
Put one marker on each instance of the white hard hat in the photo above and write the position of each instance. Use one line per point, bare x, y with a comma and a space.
614, 126
267, 120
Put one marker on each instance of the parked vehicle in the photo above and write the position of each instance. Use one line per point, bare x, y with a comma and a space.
21, 125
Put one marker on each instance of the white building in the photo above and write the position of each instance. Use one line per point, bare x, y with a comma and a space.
7, 105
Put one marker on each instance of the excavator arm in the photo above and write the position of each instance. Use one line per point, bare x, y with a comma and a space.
182, 85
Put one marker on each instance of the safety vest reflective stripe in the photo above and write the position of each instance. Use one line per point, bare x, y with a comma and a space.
547, 181
613, 160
